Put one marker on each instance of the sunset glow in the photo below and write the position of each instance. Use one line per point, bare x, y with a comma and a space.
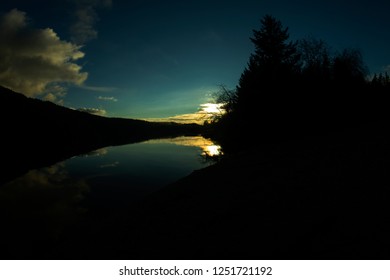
206, 112
212, 108
209, 148
212, 150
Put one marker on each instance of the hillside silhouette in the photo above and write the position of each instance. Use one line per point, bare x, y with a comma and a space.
38, 133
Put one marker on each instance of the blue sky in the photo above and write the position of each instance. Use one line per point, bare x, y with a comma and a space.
155, 59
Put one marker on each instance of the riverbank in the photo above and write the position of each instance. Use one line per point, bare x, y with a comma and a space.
324, 200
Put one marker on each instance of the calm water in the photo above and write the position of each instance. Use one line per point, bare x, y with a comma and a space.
110, 175
46, 201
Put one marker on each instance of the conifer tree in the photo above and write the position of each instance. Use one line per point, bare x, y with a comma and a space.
271, 68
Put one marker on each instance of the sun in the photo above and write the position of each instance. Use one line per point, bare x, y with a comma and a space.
212, 108
212, 150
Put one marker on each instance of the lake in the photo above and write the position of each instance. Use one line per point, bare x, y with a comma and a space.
46, 201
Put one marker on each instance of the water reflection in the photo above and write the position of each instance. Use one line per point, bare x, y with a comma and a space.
47, 191
126, 171
208, 147
212, 150
38, 206
44, 203
98, 152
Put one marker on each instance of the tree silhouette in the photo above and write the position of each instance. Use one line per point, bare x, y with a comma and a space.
316, 61
295, 88
349, 68
381, 81
271, 68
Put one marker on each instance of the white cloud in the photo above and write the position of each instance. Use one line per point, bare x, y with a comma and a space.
32, 59
107, 98
83, 29
93, 111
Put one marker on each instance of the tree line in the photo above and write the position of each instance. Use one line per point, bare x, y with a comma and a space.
299, 87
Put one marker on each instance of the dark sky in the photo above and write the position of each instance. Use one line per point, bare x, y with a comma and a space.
155, 59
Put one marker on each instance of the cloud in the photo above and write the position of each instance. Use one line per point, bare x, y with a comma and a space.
206, 112
55, 93
93, 111
98, 89
107, 98
32, 59
198, 118
83, 29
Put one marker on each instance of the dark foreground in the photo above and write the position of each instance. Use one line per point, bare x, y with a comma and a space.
328, 200
314, 198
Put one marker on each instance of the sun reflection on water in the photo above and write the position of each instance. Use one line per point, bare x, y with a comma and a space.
209, 148
212, 150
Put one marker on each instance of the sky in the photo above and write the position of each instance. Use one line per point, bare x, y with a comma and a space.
153, 59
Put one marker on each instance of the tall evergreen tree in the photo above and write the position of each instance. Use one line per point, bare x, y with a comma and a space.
271, 68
